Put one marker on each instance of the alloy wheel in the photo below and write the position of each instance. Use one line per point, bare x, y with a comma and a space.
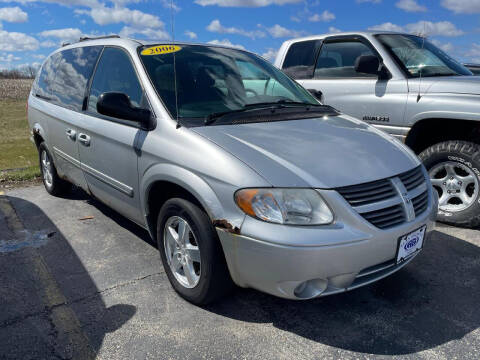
46, 169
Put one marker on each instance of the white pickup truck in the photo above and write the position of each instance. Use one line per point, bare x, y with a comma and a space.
408, 87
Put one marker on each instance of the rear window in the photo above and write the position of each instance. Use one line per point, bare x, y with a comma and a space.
72, 71
300, 59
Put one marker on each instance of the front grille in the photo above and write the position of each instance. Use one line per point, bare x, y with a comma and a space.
413, 178
383, 202
420, 203
386, 217
368, 193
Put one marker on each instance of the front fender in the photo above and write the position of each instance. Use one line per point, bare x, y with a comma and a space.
197, 186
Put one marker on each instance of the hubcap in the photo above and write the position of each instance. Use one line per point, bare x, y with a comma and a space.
456, 184
46, 169
182, 251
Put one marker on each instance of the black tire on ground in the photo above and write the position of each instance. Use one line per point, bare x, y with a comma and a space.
57, 186
464, 154
215, 281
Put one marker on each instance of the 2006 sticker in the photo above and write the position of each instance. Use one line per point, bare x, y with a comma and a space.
161, 50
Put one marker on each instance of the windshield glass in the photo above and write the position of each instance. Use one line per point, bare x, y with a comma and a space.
419, 57
211, 80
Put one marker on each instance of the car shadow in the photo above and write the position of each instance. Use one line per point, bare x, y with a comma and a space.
430, 302
47, 297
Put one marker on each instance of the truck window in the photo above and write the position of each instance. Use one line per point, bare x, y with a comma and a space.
337, 60
300, 59
72, 71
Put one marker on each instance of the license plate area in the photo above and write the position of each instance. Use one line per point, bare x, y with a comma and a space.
409, 244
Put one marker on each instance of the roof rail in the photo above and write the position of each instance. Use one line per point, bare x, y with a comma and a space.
86, 38
65, 43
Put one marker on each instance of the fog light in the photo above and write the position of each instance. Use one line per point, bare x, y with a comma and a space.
310, 289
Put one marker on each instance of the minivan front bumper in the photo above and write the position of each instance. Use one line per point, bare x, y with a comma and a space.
302, 262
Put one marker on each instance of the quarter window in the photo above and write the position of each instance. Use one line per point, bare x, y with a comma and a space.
337, 60
43, 86
115, 73
300, 59
73, 69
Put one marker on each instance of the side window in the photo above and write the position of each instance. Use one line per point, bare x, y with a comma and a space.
73, 69
115, 73
300, 59
43, 86
337, 60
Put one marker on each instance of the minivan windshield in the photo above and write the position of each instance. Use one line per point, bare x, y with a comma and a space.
419, 57
214, 80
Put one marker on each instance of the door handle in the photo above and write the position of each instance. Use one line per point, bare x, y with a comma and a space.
71, 134
84, 139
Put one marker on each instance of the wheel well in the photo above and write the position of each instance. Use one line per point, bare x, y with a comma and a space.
428, 132
159, 193
37, 138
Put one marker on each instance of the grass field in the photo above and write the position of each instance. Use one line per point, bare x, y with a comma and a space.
18, 156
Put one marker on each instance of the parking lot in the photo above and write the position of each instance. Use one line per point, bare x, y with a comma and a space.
80, 281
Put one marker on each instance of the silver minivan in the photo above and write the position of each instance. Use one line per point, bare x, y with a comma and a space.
239, 174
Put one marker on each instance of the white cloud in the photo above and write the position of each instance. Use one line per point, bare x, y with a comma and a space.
15, 41
216, 27
145, 32
245, 3
226, 42
13, 14
369, 1
48, 44
410, 6
168, 4
462, 6
89, 3
9, 58
428, 28
62, 34
333, 29
474, 53
105, 15
190, 34
325, 16
38, 56
270, 54
278, 31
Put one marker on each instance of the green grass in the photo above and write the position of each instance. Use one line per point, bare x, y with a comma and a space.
16, 149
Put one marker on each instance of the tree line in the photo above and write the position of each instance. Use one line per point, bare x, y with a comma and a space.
25, 72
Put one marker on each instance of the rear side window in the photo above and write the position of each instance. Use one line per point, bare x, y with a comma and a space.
43, 86
73, 69
115, 73
337, 60
300, 59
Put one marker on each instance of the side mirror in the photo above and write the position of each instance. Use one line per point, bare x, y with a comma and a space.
118, 105
368, 64
317, 94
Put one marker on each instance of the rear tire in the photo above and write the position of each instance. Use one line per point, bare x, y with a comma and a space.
199, 272
454, 168
52, 182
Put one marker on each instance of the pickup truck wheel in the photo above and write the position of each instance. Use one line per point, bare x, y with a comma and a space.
52, 182
191, 253
454, 168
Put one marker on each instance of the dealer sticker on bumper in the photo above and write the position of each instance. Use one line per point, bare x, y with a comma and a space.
410, 244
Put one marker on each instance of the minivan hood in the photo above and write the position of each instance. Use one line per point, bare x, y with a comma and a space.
446, 84
323, 152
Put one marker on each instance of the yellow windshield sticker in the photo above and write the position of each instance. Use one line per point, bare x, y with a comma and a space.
161, 49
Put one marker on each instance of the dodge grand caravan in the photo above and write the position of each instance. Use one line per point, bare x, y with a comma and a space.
238, 173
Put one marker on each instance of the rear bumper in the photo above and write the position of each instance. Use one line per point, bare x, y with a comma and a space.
306, 262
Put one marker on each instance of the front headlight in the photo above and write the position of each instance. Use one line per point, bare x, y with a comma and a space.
285, 206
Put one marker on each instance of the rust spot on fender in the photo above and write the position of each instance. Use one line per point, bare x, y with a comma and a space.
225, 225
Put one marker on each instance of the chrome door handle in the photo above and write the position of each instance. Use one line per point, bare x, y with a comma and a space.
84, 139
71, 134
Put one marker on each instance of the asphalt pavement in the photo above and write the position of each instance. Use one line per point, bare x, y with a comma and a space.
79, 281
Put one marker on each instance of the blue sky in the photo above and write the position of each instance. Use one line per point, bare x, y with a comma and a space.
31, 29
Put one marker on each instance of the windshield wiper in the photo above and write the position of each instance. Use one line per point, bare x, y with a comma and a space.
211, 118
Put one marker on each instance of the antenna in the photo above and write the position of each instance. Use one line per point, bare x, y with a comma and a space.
423, 45
172, 11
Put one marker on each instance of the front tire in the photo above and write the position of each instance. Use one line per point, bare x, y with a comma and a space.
52, 182
191, 253
454, 169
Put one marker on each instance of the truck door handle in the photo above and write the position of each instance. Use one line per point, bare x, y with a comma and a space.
71, 134
84, 139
